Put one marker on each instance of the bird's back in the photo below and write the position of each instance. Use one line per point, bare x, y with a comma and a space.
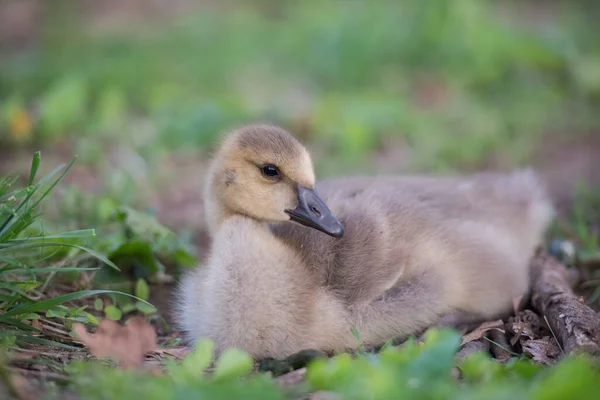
470, 230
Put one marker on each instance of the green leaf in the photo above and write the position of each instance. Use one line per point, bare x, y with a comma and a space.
145, 308
128, 307
13, 288
27, 285
233, 363
98, 304
135, 253
141, 289
113, 313
193, 365
91, 318
31, 316
56, 314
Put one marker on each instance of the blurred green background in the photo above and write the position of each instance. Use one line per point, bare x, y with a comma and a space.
142, 90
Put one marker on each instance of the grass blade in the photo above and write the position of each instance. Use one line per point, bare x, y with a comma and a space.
47, 270
26, 246
45, 342
35, 164
56, 182
76, 234
46, 304
18, 324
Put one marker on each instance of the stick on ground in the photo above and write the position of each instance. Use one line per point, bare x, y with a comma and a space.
575, 324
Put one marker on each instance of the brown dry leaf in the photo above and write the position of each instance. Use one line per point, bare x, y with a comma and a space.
480, 331
127, 344
542, 350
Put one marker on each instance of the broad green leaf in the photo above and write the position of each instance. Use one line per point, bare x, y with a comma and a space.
194, 364
113, 313
56, 314
133, 253
98, 304
91, 318
141, 289
129, 306
145, 308
233, 363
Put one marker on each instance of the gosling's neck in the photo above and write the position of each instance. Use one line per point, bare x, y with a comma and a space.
215, 209
216, 213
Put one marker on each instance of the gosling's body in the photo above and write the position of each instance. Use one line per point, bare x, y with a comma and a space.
413, 250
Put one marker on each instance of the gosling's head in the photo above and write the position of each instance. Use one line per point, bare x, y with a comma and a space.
262, 172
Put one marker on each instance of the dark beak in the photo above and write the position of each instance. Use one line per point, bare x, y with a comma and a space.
314, 213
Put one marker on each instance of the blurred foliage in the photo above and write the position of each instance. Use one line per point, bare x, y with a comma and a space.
459, 82
415, 371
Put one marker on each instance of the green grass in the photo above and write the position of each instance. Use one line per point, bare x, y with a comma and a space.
31, 258
412, 371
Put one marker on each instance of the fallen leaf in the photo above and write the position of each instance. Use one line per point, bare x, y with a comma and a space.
480, 331
542, 350
126, 345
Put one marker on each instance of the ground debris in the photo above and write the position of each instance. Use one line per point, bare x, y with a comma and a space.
523, 326
482, 330
544, 350
126, 345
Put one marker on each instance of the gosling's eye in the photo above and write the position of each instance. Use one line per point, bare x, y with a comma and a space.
270, 171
